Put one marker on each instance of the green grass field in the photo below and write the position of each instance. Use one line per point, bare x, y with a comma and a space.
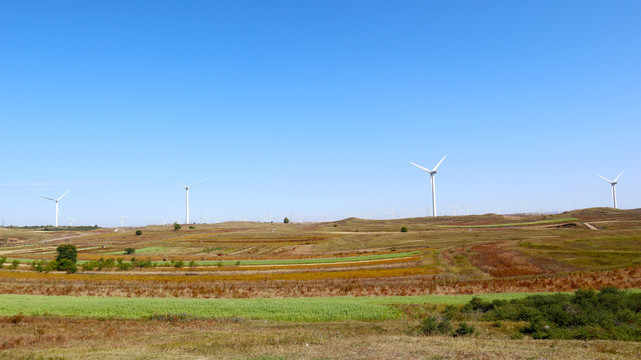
278, 309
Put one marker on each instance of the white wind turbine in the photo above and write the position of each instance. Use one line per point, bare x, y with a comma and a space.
187, 190
71, 220
56, 201
432, 173
614, 191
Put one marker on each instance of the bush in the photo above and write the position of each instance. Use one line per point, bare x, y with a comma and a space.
123, 265
403, 229
66, 265
192, 264
609, 314
176, 226
464, 329
178, 264
192, 227
14, 264
286, 221
2, 261
142, 263
138, 232
98, 264
432, 326
68, 252
130, 251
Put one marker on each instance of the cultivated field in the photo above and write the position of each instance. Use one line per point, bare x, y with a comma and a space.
346, 289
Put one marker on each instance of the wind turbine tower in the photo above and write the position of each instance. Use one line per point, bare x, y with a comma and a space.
56, 201
187, 198
614, 191
432, 173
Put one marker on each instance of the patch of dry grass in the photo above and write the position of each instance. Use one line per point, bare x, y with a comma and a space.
233, 339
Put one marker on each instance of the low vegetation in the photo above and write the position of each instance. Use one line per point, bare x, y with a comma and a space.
609, 314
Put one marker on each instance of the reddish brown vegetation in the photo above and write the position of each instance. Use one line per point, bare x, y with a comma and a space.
494, 259
401, 285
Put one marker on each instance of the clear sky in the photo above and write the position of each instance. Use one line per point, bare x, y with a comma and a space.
314, 109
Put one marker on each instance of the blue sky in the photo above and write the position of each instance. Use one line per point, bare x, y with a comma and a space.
313, 109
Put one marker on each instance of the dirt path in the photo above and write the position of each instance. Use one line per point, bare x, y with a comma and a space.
590, 226
65, 238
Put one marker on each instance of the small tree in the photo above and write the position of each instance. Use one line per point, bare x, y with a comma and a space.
68, 252
286, 221
130, 251
403, 229
138, 232
66, 265
176, 226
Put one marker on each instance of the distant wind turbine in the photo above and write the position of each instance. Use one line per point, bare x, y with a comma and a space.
56, 201
614, 191
432, 173
71, 220
187, 191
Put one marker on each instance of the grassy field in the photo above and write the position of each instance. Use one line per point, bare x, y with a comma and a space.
277, 309
348, 289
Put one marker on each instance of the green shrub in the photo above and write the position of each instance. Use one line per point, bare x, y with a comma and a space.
178, 264
432, 326
286, 220
176, 226
2, 261
130, 251
66, 265
142, 263
40, 265
192, 227
464, 329
14, 264
68, 252
609, 314
98, 264
404, 229
138, 232
192, 264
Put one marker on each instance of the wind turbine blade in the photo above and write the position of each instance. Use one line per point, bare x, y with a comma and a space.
198, 182
606, 179
617, 178
439, 163
183, 185
47, 198
63, 195
420, 167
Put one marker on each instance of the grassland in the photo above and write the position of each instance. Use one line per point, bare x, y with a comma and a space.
277, 309
360, 283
